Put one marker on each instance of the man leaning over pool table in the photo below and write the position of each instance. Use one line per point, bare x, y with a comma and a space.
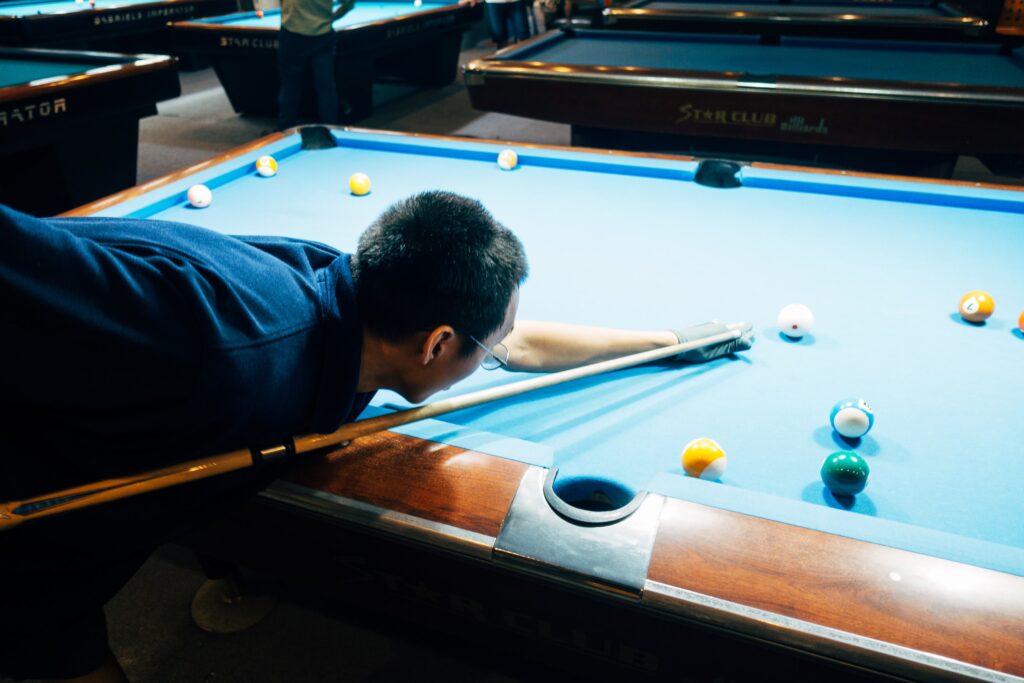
131, 344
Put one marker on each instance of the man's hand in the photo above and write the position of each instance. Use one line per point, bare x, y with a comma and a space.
703, 355
343, 8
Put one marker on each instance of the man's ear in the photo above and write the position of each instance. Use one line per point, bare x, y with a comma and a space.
439, 341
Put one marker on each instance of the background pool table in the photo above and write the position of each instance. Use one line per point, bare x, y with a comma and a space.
862, 104
64, 113
387, 39
933, 20
115, 25
921, 575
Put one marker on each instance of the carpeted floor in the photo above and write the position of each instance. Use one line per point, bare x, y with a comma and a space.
152, 633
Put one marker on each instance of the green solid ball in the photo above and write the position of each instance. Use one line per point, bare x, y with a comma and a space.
845, 473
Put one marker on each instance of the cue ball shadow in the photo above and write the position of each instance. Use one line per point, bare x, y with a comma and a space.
775, 336
806, 340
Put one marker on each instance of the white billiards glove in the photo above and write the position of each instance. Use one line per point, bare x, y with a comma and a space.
709, 329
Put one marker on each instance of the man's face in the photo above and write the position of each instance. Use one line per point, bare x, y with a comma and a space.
450, 365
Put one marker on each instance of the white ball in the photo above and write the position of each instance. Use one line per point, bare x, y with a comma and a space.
795, 320
508, 159
199, 196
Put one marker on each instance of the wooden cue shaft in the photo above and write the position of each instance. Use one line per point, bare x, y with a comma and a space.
354, 430
119, 488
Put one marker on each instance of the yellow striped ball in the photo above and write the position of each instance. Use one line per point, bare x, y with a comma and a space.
704, 458
266, 166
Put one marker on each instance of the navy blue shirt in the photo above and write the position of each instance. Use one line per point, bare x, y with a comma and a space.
130, 344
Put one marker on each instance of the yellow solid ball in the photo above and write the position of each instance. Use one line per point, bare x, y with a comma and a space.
704, 458
359, 183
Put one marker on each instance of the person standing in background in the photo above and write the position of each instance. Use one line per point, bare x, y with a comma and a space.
507, 21
306, 41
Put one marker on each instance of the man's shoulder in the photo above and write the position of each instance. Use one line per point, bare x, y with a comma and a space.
277, 282
146, 235
289, 248
198, 244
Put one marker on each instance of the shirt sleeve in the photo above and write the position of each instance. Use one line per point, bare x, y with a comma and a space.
82, 318
131, 344
143, 342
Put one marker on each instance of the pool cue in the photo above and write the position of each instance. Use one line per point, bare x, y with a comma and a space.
14, 513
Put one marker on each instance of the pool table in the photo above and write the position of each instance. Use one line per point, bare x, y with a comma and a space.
376, 40
69, 123
930, 20
448, 521
894, 106
113, 25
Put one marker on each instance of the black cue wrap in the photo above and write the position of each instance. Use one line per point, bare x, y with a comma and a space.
30, 508
262, 456
285, 451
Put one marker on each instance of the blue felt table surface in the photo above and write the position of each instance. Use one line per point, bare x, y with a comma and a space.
22, 71
978, 65
364, 12
635, 243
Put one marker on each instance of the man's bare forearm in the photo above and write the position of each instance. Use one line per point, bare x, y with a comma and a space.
536, 346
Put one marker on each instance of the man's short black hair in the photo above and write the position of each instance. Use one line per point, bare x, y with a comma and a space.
437, 258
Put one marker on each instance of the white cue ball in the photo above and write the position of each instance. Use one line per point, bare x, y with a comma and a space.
508, 159
795, 320
199, 196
